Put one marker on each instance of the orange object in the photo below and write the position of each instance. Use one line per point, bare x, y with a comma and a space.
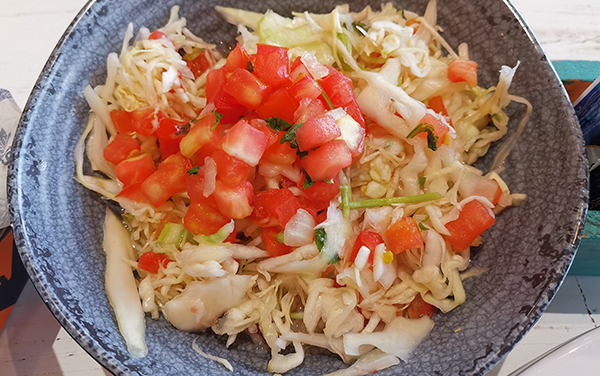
473, 220
403, 235
463, 70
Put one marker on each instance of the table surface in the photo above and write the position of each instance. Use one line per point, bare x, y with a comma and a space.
34, 343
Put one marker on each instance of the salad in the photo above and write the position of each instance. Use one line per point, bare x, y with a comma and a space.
314, 187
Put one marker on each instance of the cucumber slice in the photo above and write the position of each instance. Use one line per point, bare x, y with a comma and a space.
173, 233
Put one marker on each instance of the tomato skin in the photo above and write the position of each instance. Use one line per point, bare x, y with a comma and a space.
234, 201
316, 131
135, 170
169, 179
419, 308
281, 204
369, 239
463, 70
279, 104
338, 88
151, 262
122, 121
230, 170
473, 220
238, 58
321, 193
403, 235
203, 219
326, 162
121, 148
246, 88
200, 63
199, 135
245, 142
268, 236
272, 65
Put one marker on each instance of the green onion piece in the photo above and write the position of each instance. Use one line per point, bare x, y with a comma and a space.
172, 233
344, 39
193, 171
217, 120
296, 315
431, 138
376, 202
345, 189
326, 97
496, 117
422, 181
280, 239
361, 25
423, 227
320, 237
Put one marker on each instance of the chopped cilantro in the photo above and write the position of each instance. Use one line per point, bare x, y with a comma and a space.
301, 154
320, 237
185, 128
330, 181
308, 182
335, 260
194, 170
361, 25
218, 117
290, 135
278, 124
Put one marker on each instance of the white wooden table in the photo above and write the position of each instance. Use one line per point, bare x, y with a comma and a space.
33, 343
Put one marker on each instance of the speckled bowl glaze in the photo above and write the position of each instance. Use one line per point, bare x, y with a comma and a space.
58, 224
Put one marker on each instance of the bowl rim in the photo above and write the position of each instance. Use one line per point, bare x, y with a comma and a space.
108, 362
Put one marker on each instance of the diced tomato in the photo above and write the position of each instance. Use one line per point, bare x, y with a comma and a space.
317, 131
169, 217
419, 308
234, 201
194, 186
280, 104
437, 105
326, 162
463, 70
313, 208
169, 146
322, 192
338, 88
135, 170
313, 108
142, 121
230, 170
272, 65
353, 110
245, 142
473, 220
269, 239
246, 88
231, 238
281, 204
151, 261
134, 193
272, 135
121, 148
199, 135
306, 87
203, 219
199, 64
225, 103
209, 148
157, 35
168, 180
122, 120
299, 71
475, 185
369, 239
238, 58
280, 153
168, 128
403, 235
440, 130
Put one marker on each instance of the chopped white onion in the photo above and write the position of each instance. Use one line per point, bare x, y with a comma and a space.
210, 176
299, 230
362, 257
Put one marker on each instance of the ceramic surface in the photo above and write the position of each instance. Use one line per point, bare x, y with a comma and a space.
58, 224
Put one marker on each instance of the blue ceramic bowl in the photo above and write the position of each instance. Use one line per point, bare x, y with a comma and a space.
58, 224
